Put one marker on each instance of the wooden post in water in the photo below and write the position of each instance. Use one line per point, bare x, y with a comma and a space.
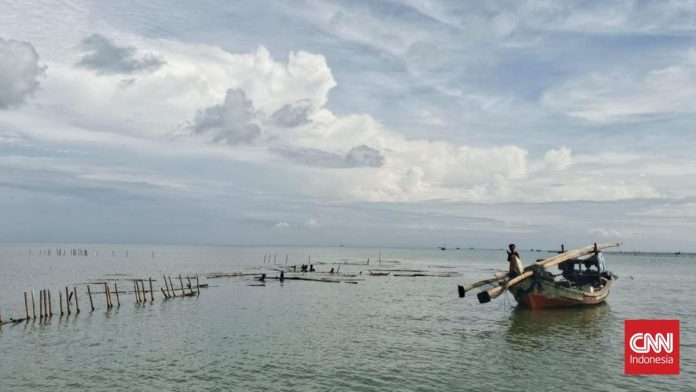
118, 300
107, 296
33, 304
143, 291
188, 278
41, 297
198, 287
165, 285
26, 306
77, 302
67, 300
89, 294
60, 301
50, 309
172, 286
152, 295
183, 293
135, 287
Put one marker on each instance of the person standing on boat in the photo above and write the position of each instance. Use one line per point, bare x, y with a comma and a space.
515, 262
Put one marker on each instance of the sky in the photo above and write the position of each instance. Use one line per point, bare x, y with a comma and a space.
366, 123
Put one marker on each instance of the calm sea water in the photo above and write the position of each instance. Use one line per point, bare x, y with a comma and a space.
382, 334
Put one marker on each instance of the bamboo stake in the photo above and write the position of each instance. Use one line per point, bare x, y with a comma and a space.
60, 301
189, 282
152, 295
26, 305
89, 294
182, 284
41, 297
118, 300
163, 293
67, 300
143, 291
50, 309
135, 286
165, 285
172, 286
33, 304
198, 287
77, 302
106, 296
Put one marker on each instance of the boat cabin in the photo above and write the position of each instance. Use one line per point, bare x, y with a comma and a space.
585, 271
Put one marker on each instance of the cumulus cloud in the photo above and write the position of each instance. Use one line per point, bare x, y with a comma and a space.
104, 56
293, 115
365, 156
19, 72
231, 122
558, 159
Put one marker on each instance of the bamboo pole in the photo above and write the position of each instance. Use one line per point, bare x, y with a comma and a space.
135, 287
26, 305
198, 287
67, 300
89, 294
152, 294
50, 309
106, 295
172, 286
163, 293
118, 300
188, 278
143, 292
41, 299
496, 278
60, 301
77, 302
165, 285
486, 296
183, 293
33, 304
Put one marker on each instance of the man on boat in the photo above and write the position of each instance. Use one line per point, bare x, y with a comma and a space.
513, 257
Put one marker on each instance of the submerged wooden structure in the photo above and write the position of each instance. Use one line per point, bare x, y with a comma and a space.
536, 287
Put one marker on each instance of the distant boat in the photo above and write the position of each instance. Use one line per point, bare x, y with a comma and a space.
443, 247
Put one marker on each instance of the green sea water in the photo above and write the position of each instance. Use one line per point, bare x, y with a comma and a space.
382, 334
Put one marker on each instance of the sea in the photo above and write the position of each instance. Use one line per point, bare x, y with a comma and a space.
383, 333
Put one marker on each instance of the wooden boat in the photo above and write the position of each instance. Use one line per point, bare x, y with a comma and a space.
584, 280
576, 286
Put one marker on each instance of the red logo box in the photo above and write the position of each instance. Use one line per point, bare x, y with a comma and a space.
651, 347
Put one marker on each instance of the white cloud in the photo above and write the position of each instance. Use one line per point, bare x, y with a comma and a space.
104, 56
232, 122
280, 226
626, 95
558, 159
19, 72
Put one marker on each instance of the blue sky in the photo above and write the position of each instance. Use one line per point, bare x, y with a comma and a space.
359, 122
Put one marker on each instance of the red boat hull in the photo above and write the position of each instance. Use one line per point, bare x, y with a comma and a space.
549, 296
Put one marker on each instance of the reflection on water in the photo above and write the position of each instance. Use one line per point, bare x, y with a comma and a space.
580, 326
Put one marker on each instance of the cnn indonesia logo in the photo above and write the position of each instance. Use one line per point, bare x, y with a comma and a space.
651, 347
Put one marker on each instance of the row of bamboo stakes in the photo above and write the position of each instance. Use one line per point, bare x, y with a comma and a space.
45, 309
